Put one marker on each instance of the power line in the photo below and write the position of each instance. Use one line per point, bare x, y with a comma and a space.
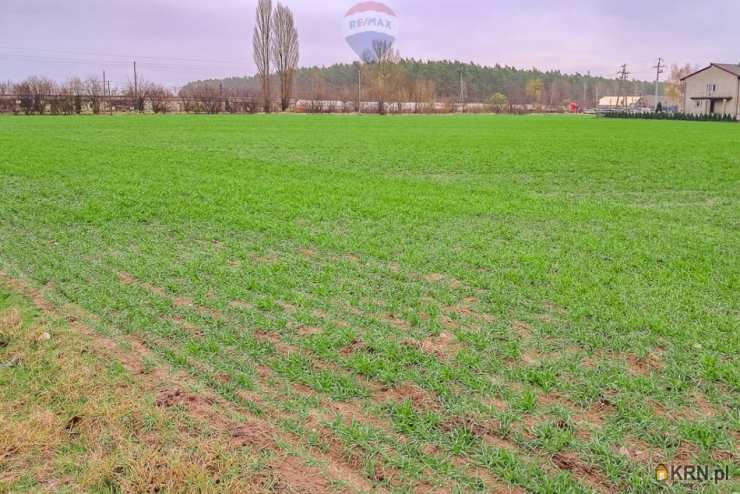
73, 61
127, 57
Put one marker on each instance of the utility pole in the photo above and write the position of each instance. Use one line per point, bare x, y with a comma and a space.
659, 70
104, 88
222, 100
462, 91
136, 87
623, 75
585, 88
359, 88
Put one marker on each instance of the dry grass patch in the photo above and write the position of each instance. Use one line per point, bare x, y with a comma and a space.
73, 417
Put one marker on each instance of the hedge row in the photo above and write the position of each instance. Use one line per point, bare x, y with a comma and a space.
672, 116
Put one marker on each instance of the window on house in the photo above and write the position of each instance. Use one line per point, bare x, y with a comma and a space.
711, 88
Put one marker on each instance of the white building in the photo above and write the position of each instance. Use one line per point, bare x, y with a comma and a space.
621, 102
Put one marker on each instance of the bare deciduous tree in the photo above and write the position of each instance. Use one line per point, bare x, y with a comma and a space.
93, 89
203, 98
158, 96
285, 51
261, 40
7, 103
33, 94
387, 73
70, 96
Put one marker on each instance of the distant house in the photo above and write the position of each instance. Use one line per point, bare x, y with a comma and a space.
713, 90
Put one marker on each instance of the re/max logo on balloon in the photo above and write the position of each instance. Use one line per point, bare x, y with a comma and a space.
386, 24
369, 25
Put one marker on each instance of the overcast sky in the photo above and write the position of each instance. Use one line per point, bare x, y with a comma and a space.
175, 41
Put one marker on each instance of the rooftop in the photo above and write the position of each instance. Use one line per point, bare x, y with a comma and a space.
732, 68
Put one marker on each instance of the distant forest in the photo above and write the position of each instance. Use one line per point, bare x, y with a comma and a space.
416, 80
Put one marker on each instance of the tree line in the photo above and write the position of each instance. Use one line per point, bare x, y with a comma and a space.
389, 83
499, 88
38, 95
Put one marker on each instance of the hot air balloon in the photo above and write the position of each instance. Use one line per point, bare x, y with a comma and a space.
370, 28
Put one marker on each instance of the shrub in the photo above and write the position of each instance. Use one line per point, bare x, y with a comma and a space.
714, 117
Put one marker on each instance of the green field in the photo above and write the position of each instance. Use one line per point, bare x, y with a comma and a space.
405, 304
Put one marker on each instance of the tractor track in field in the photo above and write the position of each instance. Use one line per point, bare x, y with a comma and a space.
568, 461
584, 420
340, 467
256, 431
346, 411
173, 391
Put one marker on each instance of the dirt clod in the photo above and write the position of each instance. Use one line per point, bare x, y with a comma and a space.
254, 434
421, 399
290, 475
356, 346
171, 398
444, 345
643, 366
71, 427
309, 331
571, 462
